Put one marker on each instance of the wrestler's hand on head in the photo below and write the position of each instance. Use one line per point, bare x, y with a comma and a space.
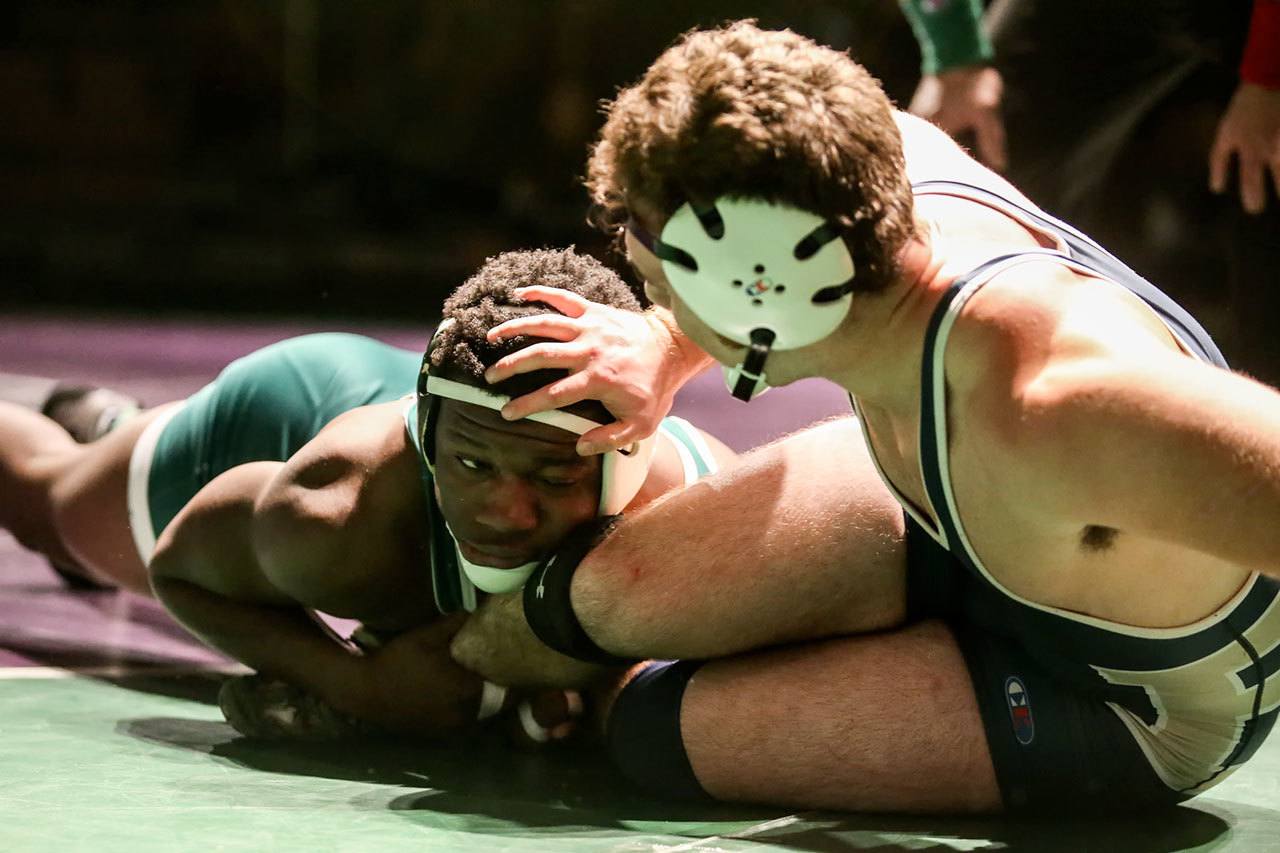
497, 643
633, 362
966, 99
1249, 132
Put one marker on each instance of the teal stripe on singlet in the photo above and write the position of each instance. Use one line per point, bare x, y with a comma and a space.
678, 429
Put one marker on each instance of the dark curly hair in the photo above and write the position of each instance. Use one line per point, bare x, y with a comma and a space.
487, 299
744, 112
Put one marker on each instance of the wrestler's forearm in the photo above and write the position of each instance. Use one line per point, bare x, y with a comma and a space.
497, 643
282, 641
685, 358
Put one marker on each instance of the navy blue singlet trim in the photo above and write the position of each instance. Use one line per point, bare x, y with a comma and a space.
930, 464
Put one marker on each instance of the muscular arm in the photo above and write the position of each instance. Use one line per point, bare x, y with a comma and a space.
265, 543
1179, 451
207, 574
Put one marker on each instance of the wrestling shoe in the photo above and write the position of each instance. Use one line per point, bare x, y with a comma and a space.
265, 708
87, 413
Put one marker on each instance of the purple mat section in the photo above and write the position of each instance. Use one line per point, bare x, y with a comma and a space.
165, 359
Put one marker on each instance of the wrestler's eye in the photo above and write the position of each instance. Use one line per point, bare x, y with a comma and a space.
471, 464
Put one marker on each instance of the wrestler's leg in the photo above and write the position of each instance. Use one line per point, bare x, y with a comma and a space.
886, 722
68, 500
87, 412
798, 540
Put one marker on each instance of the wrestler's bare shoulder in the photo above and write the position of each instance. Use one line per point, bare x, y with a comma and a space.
360, 436
1045, 366
360, 473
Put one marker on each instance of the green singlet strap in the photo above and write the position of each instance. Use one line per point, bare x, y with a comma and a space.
949, 32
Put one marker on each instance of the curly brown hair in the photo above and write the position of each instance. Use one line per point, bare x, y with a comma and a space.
744, 112
487, 299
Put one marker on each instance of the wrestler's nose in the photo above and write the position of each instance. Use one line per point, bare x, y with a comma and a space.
510, 506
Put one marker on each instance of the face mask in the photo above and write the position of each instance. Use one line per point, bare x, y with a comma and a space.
762, 275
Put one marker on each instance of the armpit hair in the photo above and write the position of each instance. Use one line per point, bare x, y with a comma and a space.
1097, 537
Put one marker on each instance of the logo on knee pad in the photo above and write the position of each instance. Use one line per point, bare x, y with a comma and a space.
1015, 693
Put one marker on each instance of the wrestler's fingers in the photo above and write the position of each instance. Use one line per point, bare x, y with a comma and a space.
566, 302
557, 395
1252, 193
555, 326
989, 133
608, 437
546, 717
1219, 162
536, 357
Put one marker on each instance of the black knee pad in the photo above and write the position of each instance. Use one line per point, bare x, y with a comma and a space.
643, 732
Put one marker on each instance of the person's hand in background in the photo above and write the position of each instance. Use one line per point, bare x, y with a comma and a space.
965, 101
1248, 134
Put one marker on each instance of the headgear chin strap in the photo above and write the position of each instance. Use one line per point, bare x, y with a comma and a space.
767, 276
489, 579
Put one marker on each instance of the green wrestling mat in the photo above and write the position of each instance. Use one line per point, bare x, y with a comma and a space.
144, 763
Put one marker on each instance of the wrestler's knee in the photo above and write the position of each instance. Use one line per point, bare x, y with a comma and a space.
643, 730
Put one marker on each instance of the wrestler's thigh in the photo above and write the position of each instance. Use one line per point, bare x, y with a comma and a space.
90, 506
797, 540
886, 722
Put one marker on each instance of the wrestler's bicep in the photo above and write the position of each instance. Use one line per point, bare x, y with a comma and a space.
304, 524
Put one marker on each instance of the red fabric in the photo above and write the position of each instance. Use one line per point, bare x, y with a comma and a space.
1261, 61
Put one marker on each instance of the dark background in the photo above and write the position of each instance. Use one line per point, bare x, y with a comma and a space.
318, 158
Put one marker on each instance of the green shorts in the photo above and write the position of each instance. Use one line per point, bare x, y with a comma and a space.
262, 407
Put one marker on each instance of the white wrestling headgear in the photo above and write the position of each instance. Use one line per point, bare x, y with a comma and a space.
767, 276
622, 471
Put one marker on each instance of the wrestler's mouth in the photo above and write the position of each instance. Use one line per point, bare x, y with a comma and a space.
493, 556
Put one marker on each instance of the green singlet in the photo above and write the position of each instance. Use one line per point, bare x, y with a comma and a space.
262, 407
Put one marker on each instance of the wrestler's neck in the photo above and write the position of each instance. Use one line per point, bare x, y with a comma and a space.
875, 355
